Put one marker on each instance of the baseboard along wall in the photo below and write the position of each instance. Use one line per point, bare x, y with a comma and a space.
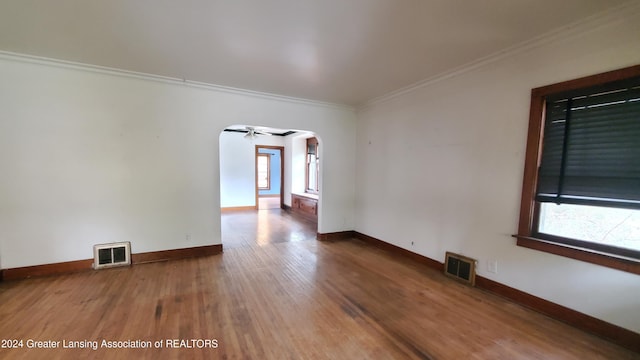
85, 265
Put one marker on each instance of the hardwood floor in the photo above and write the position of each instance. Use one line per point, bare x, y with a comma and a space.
267, 203
285, 296
264, 227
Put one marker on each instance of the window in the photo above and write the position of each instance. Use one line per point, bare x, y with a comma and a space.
581, 187
313, 166
264, 169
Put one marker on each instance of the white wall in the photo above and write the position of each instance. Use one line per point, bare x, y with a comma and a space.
90, 157
442, 166
237, 167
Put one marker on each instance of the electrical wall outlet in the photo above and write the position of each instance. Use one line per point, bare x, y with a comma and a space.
492, 266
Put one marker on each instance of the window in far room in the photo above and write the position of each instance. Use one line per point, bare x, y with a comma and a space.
313, 166
581, 189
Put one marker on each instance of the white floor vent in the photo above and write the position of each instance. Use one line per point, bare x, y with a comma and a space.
111, 255
461, 268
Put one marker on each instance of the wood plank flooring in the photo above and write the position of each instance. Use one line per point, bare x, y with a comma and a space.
264, 227
283, 299
268, 202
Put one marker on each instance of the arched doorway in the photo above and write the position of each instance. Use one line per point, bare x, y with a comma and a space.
241, 181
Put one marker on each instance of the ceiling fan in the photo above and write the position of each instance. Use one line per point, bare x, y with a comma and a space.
253, 133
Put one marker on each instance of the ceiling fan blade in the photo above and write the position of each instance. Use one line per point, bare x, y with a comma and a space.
254, 131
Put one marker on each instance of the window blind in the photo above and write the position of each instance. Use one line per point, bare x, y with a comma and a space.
591, 147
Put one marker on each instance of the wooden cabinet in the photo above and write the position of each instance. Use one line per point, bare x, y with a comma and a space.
304, 206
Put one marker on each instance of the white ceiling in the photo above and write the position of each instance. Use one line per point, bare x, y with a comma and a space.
341, 51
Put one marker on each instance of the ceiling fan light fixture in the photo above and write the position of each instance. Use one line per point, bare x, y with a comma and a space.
250, 135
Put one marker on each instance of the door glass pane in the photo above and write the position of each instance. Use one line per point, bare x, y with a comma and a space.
263, 172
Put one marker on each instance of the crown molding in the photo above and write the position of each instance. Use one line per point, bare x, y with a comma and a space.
607, 17
32, 59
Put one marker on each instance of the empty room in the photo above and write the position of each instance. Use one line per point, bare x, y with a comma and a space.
365, 179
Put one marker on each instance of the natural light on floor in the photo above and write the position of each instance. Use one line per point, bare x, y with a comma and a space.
610, 226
